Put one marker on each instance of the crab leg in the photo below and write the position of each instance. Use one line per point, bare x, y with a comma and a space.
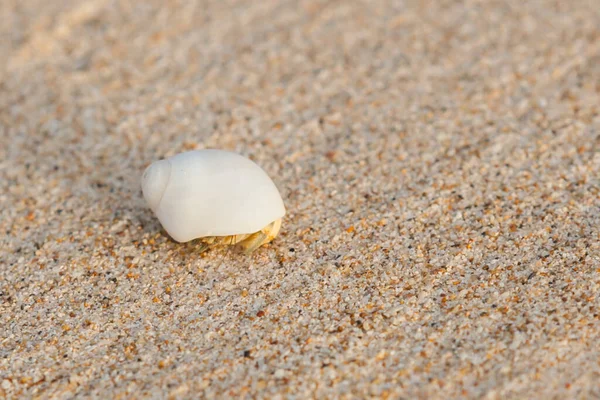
249, 242
261, 237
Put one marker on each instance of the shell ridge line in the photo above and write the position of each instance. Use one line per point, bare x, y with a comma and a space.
167, 186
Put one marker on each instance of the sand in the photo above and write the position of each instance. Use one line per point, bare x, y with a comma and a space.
438, 159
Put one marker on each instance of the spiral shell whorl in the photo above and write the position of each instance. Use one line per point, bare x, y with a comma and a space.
155, 181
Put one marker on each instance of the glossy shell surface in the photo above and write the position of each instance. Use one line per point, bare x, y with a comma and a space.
210, 193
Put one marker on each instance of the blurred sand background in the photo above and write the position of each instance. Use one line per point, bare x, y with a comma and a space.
439, 161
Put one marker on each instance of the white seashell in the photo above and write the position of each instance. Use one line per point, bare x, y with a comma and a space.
216, 195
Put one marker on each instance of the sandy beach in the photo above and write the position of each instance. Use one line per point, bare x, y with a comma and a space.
439, 162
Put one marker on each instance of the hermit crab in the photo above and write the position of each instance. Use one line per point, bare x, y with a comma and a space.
219, 197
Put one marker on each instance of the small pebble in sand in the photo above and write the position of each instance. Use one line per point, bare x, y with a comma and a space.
217, 196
